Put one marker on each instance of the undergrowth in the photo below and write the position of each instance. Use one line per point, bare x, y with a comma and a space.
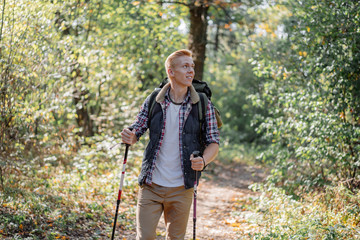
331, 213
69, 202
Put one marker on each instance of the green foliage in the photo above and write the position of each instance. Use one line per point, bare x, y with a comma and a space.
332, 214
23, 83
239, 153
229, 72
310, 88
231, 83
72, 73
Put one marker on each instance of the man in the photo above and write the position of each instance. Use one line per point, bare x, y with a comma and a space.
168, 168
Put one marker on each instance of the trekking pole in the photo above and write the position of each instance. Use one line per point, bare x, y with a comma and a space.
195, 154
120, 189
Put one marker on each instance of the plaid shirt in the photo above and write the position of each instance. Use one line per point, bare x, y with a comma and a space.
141, 125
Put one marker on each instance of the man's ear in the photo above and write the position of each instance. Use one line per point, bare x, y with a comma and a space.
170, 72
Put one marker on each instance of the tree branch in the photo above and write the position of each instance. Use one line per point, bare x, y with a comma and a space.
2, 19
217, 7
174, 2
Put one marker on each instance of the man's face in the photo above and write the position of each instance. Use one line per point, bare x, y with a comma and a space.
182, 72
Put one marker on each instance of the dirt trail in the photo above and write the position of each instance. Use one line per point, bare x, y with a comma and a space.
217, 192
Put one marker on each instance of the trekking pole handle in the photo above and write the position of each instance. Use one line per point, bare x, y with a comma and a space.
196, 154
130, 128
128, 145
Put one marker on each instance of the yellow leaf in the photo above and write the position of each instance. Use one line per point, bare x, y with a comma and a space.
136, 3
342, 115
308, 29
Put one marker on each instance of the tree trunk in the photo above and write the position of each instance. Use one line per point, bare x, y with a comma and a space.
83, 118
198, 36
81, 98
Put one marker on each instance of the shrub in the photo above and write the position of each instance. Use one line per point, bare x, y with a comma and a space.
311, 90
329, 214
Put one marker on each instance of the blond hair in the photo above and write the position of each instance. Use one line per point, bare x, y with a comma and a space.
179, 53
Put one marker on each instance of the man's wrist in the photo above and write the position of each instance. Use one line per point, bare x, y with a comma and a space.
204, 162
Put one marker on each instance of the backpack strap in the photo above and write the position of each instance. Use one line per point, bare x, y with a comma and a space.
202, 106
152, 103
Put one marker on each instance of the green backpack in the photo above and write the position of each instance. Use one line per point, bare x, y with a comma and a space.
204, 93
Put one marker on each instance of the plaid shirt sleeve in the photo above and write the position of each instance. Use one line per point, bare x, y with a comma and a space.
141, 122
212, 131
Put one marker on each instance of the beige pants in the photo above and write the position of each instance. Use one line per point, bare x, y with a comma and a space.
175, 202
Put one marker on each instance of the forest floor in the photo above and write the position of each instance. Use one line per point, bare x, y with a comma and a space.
79, 203
222, 204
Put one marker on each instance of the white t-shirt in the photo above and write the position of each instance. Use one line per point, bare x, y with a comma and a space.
168, 172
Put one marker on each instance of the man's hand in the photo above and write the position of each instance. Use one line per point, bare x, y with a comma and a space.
208, 156
197, 163
128, 136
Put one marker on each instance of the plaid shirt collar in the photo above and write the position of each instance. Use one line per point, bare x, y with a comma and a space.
186, 99
191, 95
